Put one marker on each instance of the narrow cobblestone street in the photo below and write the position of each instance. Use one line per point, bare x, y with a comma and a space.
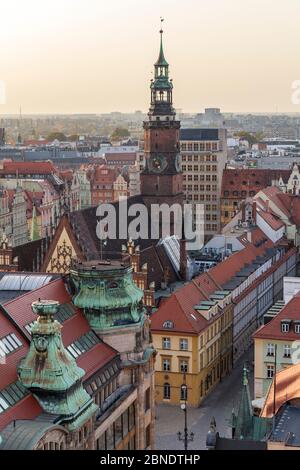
221, 401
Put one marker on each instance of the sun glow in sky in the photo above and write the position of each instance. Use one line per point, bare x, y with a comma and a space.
93, 56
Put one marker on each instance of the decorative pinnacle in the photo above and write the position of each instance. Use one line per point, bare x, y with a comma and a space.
161, 59
245, 375
45, 308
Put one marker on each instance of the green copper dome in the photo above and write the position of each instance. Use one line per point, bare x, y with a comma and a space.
50, 372
107, 294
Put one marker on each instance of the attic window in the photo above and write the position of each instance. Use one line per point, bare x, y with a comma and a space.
168, 325
9, 344
285, 326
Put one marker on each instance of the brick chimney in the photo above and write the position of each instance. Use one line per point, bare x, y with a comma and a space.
254, 212
183, 271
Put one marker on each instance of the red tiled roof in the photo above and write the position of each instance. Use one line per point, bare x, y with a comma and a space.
20, 308
271, 220
73, 328
257, 236
282, 200
36, 142
179, 307
66, 175
95, 358
272, 330
8, 371
120, 156
223, 272
28, 408
27, 167
249, 180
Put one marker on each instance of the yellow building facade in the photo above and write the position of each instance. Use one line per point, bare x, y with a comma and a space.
199, 360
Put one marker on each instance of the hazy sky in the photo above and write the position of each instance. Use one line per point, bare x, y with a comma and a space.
89, 56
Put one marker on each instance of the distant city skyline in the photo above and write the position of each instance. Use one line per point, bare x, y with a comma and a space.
70, 57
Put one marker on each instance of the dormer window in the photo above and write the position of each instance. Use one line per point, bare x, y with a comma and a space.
297, 328
168, 325
285, 326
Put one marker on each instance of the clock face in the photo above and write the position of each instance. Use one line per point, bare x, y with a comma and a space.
178, 162
157, 163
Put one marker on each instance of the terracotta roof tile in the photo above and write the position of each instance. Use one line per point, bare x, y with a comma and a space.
28, 167
274, 222
28, 408
272, 330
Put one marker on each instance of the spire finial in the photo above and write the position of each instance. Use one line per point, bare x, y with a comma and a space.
245, 375
161, 59
161, 22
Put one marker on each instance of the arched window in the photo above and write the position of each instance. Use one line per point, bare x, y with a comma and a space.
167, 391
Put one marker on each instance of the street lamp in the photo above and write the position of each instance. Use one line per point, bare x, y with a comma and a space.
186, 437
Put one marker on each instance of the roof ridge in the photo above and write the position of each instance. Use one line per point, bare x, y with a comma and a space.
186, 313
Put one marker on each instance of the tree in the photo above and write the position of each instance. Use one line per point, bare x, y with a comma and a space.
56, 136
251, 138
120, 133
73, 138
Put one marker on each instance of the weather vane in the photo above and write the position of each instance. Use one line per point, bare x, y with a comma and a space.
161, 22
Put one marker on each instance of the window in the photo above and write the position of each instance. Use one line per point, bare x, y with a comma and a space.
9, 344
166, 365
166, 343
168, 324
285, 327
287, 350
297, 328
270, 371
167, 391
270, 350
183, 344
183, 365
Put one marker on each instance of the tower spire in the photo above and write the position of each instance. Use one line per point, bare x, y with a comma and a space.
161, 61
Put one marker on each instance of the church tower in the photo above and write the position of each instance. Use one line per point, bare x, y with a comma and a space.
161, 180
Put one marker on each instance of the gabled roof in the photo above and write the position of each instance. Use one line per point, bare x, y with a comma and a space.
282, 200
64, 224
179, 307
272, 330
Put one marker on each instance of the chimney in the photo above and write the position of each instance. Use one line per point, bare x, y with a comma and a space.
254, 212
243, 212
183, 271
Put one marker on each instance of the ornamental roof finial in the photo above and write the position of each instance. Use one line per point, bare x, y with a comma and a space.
161, 58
